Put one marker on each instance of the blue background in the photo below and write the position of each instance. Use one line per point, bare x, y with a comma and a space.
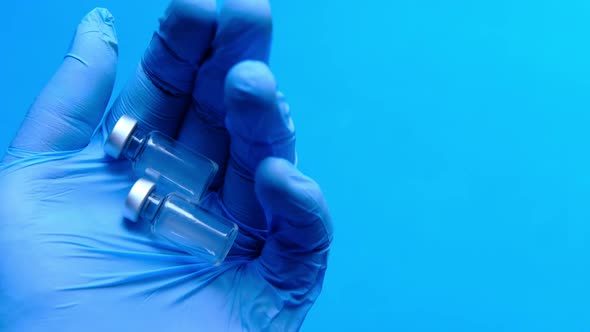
450, 138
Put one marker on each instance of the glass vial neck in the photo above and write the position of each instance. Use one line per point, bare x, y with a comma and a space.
135, 144
151, 207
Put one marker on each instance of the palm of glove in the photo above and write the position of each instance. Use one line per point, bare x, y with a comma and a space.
72, 263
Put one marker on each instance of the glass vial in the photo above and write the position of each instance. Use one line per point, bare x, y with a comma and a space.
159, 158
181, 222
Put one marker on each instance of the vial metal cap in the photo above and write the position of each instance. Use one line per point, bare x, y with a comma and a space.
136, 199
120, 135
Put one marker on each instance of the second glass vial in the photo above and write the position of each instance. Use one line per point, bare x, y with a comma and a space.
181, 222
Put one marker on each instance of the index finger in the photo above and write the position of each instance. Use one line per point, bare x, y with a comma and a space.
159, 93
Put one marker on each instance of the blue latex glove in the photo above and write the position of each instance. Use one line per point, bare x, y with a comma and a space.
71, 263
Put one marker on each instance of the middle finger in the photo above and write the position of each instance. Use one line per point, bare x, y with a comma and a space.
244, 32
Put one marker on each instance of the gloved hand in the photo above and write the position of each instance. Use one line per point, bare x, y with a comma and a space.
69, 260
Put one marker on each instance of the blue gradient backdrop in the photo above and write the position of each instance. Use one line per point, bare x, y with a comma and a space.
450, 137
